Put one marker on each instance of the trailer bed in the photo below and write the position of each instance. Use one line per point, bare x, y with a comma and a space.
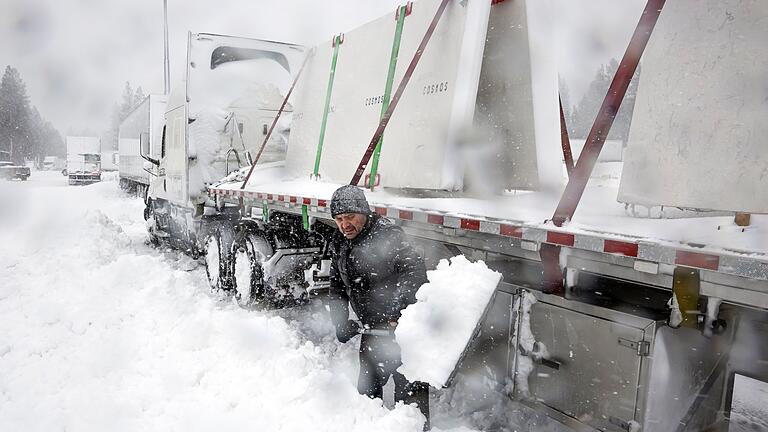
601, 225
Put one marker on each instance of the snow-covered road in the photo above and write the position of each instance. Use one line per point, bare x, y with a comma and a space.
99, 331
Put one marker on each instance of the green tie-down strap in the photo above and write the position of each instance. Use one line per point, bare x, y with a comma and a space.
265, 212
336, 44
305, 217
388, 89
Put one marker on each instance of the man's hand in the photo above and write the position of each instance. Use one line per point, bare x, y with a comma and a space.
347, 331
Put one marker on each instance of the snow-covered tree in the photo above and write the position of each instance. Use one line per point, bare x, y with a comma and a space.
129, 100
14, 115
585, 112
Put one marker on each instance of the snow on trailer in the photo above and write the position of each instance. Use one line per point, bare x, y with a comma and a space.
453, 107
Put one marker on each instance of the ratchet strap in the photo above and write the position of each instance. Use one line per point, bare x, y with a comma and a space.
401, 14
337, 41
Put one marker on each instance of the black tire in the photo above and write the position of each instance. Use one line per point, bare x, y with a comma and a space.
249, 252
64, 172
216, 261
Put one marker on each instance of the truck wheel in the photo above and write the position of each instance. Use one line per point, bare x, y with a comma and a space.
215, 262
249, 253
64, 172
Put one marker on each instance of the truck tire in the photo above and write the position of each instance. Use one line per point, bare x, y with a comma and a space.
249, 253
216, 262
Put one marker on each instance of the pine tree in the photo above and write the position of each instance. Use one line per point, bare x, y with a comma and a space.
14, 115
137, 97
585, 112
130, 99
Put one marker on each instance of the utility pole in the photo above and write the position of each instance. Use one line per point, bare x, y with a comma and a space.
166, 59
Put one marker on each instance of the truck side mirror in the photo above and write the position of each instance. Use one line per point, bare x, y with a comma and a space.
144, 148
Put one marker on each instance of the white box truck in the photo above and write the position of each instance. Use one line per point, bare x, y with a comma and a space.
143, 124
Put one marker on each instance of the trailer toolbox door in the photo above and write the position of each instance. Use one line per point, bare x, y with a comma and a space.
593, 367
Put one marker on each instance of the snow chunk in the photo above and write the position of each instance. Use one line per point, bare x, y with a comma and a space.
675, 316
433, 332
525, 345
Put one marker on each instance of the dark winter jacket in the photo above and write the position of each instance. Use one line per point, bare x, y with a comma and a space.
378, 273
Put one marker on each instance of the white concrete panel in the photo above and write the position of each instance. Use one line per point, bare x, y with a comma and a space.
414, 150
545, 92
504, 115
361, 74
419, 149
698, 134
308, 103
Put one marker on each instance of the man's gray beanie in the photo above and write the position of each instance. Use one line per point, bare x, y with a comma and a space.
349, 199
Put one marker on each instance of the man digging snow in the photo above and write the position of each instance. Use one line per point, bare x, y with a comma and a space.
378, 272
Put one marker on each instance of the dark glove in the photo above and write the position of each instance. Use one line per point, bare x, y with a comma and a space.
347, 331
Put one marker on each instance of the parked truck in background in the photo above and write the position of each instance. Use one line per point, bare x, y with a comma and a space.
609, 318
110, 160
54, 163
143, 125
83, 160
10, 171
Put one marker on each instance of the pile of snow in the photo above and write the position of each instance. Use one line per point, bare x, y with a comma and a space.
100, 331
433, 332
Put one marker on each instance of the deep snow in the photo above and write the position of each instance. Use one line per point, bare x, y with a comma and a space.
100, 331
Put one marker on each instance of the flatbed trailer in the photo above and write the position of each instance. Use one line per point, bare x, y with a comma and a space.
612, 310
605, 320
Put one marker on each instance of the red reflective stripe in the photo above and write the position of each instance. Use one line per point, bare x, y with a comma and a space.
293, 199
435, 219
619, 247
321, 203
694, 259
381, 210
470, 224
564, 239
269, 196
404, 214
511, 231
281, 197
306, 201
494, 2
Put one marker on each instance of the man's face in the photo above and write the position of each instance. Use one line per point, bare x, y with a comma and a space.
350, 224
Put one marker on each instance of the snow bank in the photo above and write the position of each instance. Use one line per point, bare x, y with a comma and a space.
102, 332
433, 332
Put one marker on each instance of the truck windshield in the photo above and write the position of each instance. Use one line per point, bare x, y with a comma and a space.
225, 54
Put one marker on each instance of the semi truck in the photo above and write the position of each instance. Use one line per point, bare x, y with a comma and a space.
83, 160
627, 304
143, 125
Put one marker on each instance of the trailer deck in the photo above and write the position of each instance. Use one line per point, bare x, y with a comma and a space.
601, 226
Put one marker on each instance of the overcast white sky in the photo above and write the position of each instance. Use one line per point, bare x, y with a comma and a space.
75, 55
